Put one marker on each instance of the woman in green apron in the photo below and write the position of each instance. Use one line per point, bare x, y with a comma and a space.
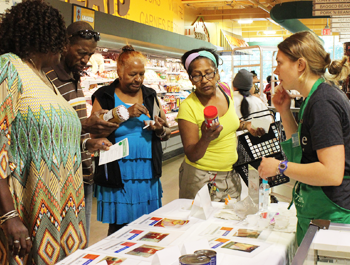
318, 148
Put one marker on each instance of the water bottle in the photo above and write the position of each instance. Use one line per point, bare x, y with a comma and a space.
264, 198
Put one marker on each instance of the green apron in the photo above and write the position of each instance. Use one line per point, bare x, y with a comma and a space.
310, 201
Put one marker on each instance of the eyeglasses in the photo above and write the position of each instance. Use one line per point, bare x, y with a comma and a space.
198, 78
87, 34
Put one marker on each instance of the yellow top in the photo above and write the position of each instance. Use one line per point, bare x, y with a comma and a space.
221, 153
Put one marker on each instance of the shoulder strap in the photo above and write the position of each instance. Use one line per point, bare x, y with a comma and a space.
226, 88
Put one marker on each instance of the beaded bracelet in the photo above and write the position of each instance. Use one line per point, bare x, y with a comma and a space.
83, 145
7, 216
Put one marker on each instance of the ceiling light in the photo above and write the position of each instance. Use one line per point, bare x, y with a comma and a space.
269, 31
245, 21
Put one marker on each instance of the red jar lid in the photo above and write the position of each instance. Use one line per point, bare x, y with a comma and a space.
210, 112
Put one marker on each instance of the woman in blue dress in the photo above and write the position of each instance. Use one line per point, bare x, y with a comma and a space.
131, 185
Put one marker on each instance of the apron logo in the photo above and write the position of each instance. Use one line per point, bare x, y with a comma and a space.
304, 140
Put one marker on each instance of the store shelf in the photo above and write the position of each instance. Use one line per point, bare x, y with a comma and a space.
156, 68
154, 80
173, 93
97, 80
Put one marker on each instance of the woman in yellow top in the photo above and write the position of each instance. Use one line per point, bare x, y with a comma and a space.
210, 152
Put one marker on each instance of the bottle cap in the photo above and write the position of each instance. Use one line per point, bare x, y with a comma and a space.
210, 112
265, 181
123, 113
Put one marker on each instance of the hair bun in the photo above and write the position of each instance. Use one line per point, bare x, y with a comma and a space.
335, 67
128, 48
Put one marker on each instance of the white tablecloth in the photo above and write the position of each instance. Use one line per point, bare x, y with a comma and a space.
281, 251
279, 247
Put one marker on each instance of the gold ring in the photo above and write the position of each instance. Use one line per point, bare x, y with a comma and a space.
15, 241
28, 238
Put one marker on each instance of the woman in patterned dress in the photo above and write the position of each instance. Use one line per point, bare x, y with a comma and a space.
41, 190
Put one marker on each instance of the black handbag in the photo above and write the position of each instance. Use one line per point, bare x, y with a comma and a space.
251, 149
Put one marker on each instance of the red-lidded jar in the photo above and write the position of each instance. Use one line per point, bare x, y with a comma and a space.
210, 115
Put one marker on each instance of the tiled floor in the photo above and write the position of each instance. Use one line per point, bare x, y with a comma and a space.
170, 183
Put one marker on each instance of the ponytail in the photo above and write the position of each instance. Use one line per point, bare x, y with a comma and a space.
244, 102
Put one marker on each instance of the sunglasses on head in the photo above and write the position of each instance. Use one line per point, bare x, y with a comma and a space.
87, 34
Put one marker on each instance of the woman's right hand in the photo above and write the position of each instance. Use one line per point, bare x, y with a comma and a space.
16, 231
137, 110
281, 99
210, 134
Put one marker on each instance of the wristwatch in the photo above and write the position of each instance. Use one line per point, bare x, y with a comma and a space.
283, 165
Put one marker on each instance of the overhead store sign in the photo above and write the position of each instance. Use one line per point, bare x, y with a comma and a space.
84, 14
330, 12
340, 25
331, 8
341, 30
340, 20
163, 14
342, 6
329, 1
233, 41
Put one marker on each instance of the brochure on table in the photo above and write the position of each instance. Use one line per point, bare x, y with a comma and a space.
239, 247
83, 257
230, 231
124, 248
164, 222
154, 235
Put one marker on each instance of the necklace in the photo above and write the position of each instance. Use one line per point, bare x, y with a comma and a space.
41, 75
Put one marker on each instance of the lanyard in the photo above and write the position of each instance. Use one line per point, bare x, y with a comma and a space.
303, 105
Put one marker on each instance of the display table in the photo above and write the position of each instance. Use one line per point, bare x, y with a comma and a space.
171, 229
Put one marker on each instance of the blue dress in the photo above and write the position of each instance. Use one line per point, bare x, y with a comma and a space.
142, 193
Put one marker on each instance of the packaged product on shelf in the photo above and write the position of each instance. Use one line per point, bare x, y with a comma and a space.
162, 75
151, 75
97, 62
166, 108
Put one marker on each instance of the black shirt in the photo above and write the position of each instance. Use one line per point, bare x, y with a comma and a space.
326, 123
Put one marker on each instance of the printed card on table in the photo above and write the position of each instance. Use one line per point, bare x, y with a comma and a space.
218, 242
162, 222
250, 233
134, 250
245, 247
153, 235
111, 260
217, 230
108, 246
80, 257
85, 257
144, 251
240, 246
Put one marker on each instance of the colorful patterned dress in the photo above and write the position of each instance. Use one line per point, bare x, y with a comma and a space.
40, 157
